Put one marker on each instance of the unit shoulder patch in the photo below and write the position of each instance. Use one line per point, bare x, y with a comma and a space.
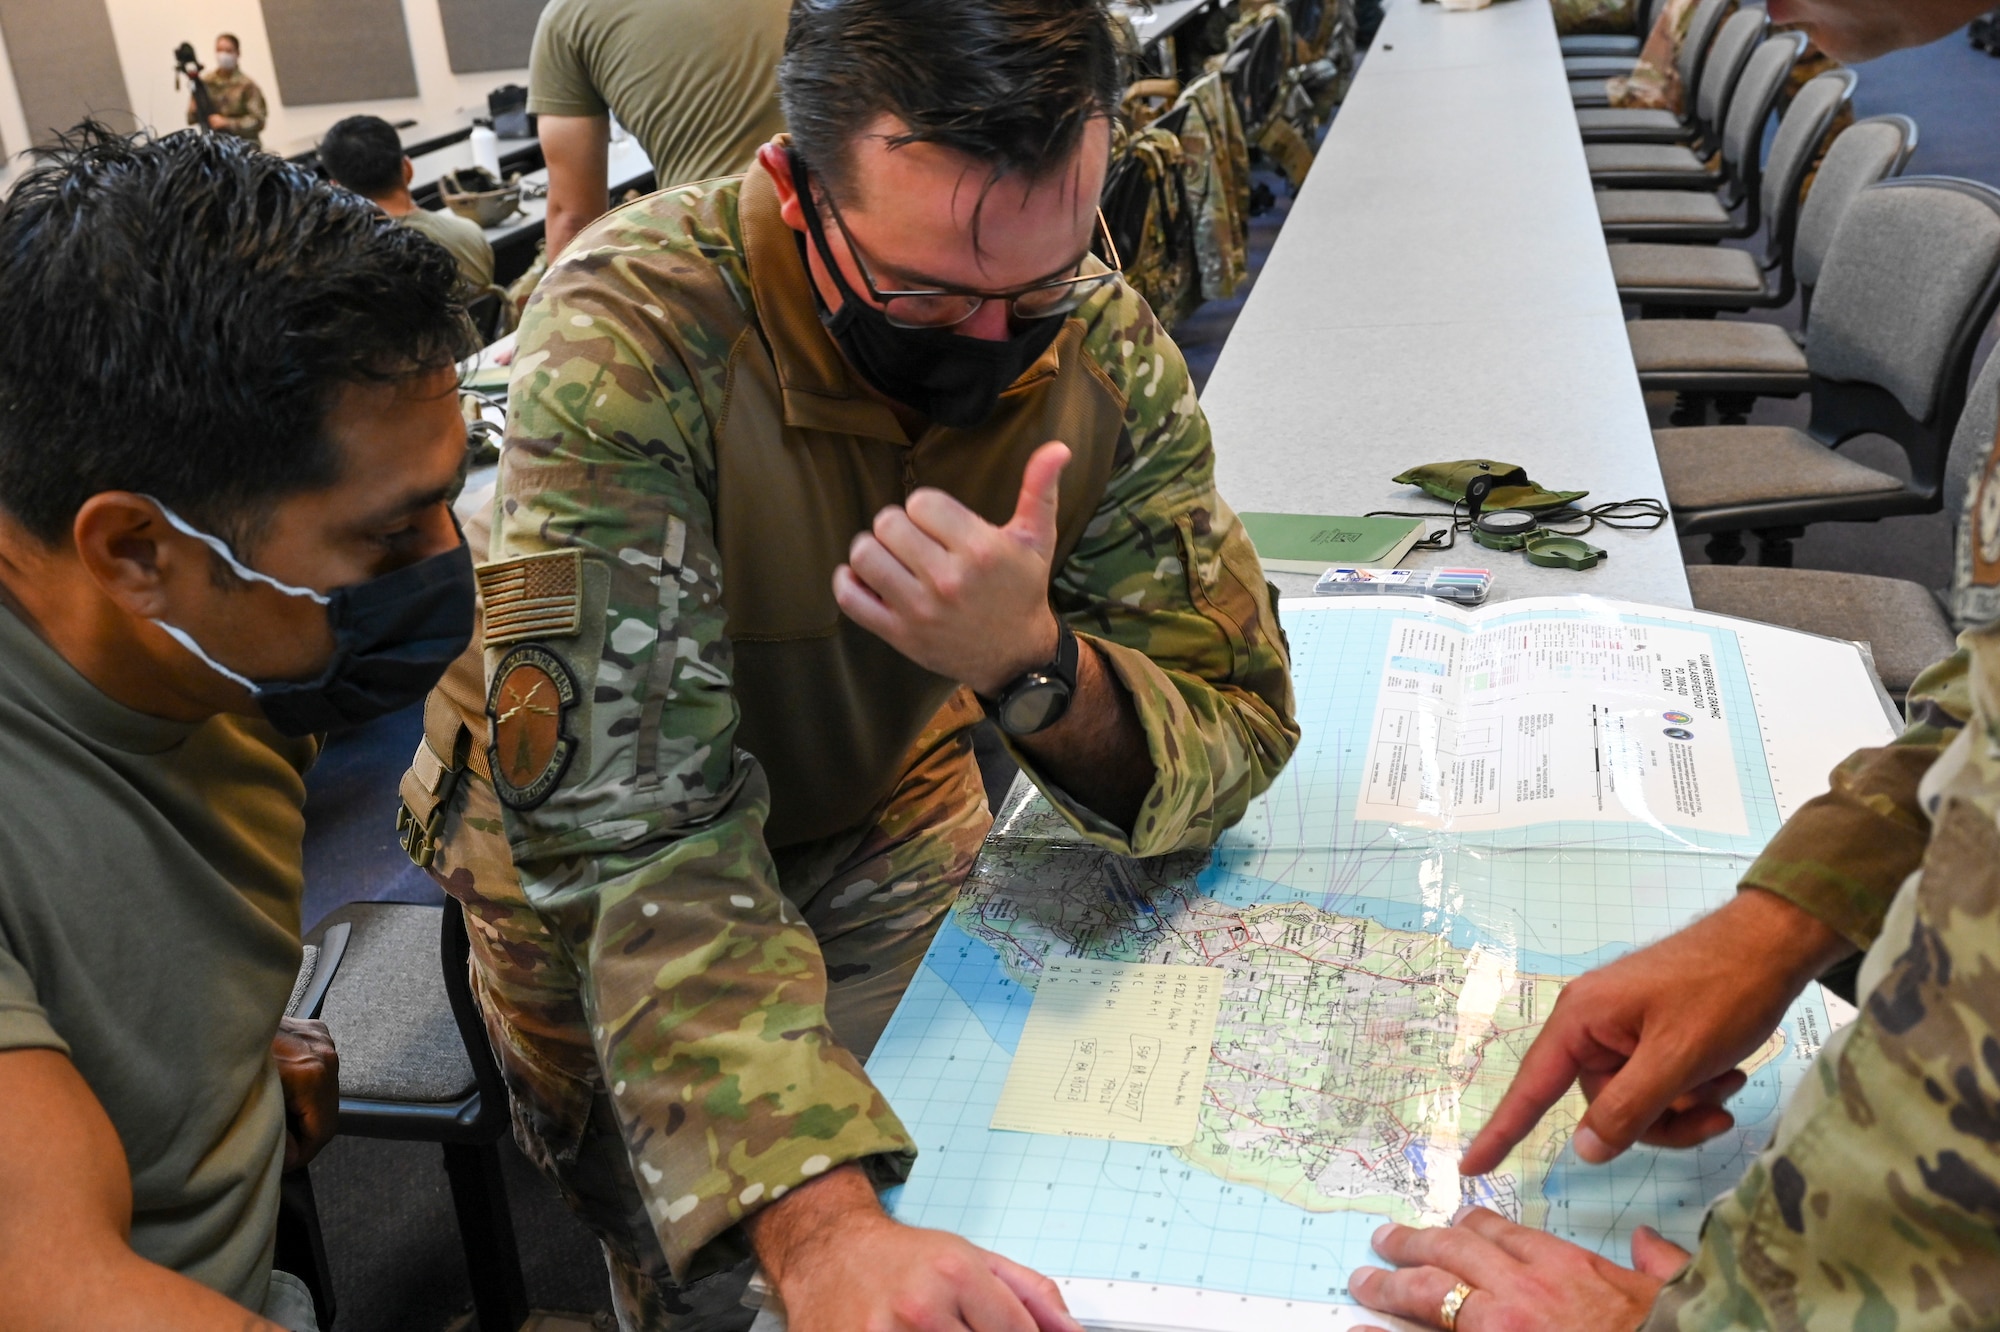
528, 714
532, 596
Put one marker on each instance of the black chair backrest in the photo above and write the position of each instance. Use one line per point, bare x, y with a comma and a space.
1909, 284
1801, 134
1254, 68
1126, 197
1131, 192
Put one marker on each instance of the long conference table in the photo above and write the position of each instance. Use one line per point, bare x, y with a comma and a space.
1441, 290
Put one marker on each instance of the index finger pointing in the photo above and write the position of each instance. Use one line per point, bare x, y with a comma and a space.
1547, 1071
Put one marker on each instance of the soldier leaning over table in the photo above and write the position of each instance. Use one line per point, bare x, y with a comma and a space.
806, 470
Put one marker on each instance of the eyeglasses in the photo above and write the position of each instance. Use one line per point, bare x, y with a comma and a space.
947, 307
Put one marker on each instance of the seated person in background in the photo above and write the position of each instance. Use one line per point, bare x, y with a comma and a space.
1877, 1203
695, 80
237, 101
767, 539
223, 527
365, 154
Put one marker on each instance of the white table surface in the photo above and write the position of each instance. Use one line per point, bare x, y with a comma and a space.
1439, 291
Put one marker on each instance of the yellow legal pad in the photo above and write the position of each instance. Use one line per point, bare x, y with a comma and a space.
1114, 1050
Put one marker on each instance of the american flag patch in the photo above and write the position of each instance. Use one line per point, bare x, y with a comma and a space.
532, 596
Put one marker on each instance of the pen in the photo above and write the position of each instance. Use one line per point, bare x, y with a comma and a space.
1121, 875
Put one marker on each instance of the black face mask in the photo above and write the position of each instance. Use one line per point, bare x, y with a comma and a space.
393, 639
952, 379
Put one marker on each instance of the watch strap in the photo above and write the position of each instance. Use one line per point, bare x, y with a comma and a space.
1063, 667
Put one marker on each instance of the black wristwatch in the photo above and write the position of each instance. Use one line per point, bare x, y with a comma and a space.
1037, 698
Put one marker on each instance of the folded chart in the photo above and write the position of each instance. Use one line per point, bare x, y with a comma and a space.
1483, 805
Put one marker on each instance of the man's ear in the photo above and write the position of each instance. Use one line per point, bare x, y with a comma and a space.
777, 165
121, 540
409, 171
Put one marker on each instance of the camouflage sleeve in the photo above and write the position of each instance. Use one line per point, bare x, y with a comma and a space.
1877, 1204
253, 115
1842, 856
703, 987
1165, 585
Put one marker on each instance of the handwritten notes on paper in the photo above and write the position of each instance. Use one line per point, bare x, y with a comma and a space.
1114, 1050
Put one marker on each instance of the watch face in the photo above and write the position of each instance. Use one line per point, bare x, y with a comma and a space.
1033, 705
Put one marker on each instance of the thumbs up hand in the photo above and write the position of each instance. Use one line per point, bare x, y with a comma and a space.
954, 593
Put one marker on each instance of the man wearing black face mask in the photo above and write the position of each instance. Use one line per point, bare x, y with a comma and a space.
806, 470
223, 526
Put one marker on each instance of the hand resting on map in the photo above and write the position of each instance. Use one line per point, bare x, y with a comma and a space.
1654, 1038
1520, 1278
831, 1250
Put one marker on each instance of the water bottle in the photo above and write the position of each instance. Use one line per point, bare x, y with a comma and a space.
486, 149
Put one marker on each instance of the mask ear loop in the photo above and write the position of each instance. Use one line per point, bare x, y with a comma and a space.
814, 227
236, 566
186, 640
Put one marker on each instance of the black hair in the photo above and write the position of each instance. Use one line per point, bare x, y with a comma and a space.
1011, 83
178, 316
230, 37
365, 154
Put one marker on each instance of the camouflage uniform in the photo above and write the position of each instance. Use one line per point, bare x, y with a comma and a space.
1613, 16
1218, 185
237, 99
1655, 82
1877, 1204
674, 965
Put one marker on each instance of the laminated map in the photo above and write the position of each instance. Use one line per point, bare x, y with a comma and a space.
1483, 804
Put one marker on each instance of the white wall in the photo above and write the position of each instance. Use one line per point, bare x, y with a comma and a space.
148, 30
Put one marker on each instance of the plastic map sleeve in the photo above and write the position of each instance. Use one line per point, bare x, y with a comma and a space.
1390, 929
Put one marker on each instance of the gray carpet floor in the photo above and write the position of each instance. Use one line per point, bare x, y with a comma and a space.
391, 1237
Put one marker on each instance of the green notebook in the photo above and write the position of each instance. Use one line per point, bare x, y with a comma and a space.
1309, 543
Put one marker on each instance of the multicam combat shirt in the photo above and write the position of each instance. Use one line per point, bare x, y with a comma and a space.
687, 459
1877, 1204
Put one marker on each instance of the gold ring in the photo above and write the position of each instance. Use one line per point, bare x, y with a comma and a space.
1453, 1302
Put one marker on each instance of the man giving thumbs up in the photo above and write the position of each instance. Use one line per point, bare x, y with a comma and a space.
807, 470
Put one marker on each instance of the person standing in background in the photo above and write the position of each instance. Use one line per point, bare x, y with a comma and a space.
695, 80
238, 101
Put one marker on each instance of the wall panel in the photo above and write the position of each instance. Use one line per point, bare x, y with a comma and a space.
65, 64
339, 50
488, 34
